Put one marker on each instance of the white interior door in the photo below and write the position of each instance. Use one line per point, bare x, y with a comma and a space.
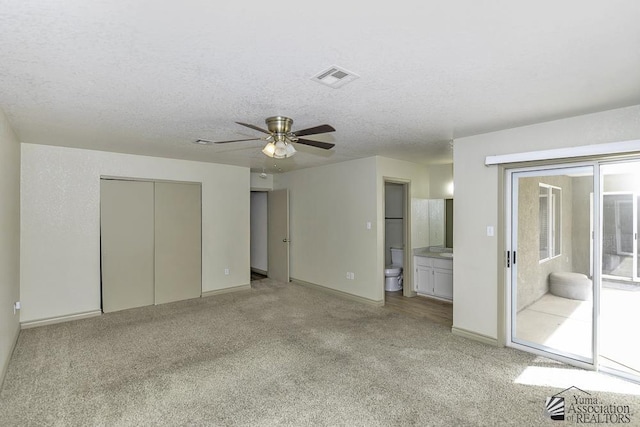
278, 225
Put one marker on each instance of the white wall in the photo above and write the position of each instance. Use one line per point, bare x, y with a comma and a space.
258, 183
440, 181
259, 231
60, 246
477, 266
329, 207
329, 210
9, 240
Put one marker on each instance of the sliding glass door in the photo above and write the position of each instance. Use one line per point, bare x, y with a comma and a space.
620, 291
573, 263
548, 256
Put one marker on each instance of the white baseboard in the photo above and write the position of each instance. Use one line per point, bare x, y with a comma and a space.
337, 293
5, 365
226, 290
60, 319
474, 336
259, 271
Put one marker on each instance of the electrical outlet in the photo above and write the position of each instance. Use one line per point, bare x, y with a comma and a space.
353, 276
16, 306
226, 271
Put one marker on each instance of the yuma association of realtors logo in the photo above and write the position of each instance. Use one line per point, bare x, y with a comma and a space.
554, 407
585, 409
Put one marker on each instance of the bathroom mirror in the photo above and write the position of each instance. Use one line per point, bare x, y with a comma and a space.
441, 222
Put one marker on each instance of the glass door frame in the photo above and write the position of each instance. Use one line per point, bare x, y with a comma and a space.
511, 212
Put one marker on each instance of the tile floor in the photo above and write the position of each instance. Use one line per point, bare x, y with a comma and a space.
565, 324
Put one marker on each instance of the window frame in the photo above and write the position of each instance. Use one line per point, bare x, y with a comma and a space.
554, 221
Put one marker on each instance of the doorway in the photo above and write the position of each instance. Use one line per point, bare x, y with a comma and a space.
572, 263
396, 239
259, 253
269, 235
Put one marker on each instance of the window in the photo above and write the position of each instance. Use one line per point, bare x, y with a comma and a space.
550, 215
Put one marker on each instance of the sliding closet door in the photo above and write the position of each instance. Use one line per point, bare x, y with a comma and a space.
177, 242
126, 211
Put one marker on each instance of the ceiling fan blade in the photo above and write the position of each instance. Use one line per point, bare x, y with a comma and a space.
319, 144
206, 141
254, 128
314, 130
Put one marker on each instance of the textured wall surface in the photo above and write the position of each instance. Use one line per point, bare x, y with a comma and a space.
329, 210
9, 239
533, 276
581, 233
60, 241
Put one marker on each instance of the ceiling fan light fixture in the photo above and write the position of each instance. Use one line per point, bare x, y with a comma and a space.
280, 150
280, 138
269, 149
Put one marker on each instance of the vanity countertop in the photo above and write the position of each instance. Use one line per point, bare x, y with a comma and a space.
434, 252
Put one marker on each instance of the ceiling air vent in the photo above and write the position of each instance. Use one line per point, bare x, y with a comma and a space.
335, 77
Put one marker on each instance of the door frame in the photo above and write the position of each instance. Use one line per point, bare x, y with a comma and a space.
510, 270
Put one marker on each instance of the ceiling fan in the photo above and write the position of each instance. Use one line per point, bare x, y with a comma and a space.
280, 139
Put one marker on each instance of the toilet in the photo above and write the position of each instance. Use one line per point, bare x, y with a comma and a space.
393, 272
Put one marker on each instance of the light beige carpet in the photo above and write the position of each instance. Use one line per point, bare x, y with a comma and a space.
278, 354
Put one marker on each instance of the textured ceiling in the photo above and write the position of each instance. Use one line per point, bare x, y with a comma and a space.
150, 77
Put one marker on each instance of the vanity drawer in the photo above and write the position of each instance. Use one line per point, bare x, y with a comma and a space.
422, 261
442, 263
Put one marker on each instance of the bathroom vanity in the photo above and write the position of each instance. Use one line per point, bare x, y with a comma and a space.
433, 275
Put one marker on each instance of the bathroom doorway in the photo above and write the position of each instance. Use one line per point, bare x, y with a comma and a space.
397, 277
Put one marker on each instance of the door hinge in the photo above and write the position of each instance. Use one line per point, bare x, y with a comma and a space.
508, 259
